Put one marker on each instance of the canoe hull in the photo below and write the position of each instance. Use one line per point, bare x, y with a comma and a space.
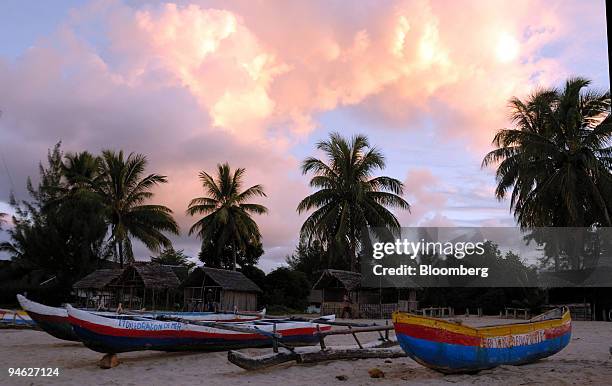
56, 326
117, 344
52, 320
115, 336
450, 348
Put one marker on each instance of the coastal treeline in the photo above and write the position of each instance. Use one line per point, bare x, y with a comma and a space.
86, 210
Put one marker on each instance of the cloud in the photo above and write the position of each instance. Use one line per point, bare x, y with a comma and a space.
192, 84
424, 192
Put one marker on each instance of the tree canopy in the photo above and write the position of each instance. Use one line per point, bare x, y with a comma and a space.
227, 225
555, 164
348, 198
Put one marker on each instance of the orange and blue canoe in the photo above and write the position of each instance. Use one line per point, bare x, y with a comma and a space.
454, 348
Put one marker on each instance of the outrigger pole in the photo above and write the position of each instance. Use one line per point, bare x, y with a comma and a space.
378, 349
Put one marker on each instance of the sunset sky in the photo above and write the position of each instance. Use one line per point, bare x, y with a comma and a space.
258, 83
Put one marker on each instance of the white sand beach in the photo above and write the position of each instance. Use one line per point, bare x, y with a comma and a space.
587, 360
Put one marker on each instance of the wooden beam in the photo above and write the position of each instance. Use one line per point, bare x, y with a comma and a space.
307, 355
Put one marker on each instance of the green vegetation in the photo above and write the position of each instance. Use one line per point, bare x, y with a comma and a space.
227, 224
124, 191
170, 256
310, 259
287, 288
554, 166
61, 231
557, 161
348, 198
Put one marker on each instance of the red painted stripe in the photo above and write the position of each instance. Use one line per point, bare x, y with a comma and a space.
556, 332
436, 334
113, 331
444, 336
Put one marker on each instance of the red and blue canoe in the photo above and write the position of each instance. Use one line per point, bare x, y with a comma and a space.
454, 348
54, 320
108, 335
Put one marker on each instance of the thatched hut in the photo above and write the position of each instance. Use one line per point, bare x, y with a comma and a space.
94, 290
364, 302
228, 290
150, 286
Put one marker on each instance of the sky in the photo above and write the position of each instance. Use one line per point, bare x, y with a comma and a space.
259, 83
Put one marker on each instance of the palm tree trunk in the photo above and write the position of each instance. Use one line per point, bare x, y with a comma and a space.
353, 250
120, 246
233, 256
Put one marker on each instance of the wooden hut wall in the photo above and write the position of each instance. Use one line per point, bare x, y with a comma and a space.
243, 301
335, 294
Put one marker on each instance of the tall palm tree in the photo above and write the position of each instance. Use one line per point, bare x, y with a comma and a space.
227, 220
557, 160
124, 191
348, 198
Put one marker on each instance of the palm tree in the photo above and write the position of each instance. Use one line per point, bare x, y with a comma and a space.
557, 160
124, 191
348, 198
227, 221
79, 175
81, 170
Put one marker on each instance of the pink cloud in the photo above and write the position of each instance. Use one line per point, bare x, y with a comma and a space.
193, 85
424, 192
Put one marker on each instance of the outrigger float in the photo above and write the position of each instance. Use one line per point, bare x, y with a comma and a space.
454, 348
54, 320
383, 348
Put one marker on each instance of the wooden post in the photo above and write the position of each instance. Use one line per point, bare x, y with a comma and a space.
109, 361
274, 341
321, 338
355, 336
386, 331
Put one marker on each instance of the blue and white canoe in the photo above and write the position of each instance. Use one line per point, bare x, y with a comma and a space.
15, 318
108, 335
54, 320
453, 348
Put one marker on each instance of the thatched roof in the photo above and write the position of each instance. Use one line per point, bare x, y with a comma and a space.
227, 280
337, 278
151, 276
98, 279
180, 271
157, 276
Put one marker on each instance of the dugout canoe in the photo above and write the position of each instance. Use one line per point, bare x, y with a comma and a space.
54, 320
453, 348
113, 336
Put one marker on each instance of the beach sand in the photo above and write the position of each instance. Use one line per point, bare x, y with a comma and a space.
587, 360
